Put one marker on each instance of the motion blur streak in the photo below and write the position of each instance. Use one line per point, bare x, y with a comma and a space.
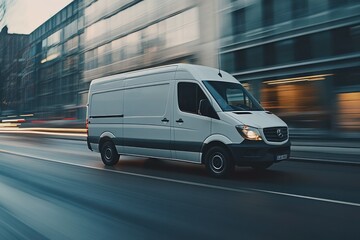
70, 132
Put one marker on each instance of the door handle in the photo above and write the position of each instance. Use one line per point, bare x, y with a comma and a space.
180, 120
165, 120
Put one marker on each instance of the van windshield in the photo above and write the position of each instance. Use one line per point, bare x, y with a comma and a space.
232, 96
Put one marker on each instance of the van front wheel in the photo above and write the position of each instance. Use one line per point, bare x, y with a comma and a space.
218, 162
109, 155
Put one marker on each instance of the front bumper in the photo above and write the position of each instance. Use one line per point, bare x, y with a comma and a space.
249, 152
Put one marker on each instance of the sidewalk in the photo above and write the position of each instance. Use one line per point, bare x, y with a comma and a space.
346, 151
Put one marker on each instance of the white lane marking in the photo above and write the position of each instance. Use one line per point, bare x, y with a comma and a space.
323, 161
128, 173
244, 190
306, 197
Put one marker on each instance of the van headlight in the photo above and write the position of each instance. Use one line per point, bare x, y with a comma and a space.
249, 133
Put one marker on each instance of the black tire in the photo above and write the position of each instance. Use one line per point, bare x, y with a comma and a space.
109, 155
261, 166
218, 162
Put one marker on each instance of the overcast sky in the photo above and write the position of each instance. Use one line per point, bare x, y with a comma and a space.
24, 16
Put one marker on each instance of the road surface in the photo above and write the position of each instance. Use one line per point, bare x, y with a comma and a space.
58, 189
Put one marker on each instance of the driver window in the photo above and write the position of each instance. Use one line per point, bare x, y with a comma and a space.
189, 96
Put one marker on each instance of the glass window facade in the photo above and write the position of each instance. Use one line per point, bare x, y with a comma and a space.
254, 57
71, 44
101, 8
71, 29
238, 21
319, 45
170, 32
302, 48
283, 40
91, 59
70, 63
268, 12
96, 30
299, 8
341, 40
53, 39
322, 45
284, 51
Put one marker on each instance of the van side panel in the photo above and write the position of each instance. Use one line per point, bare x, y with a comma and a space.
146, 101
147, 113
106, 105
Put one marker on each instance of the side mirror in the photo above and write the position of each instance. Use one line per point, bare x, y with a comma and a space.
205, 109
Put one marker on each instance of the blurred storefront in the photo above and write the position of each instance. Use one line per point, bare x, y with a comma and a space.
291, 96
300, 58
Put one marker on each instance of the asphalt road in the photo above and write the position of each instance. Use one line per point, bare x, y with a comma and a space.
58, 189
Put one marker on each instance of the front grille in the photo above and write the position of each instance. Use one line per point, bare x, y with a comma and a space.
276, 134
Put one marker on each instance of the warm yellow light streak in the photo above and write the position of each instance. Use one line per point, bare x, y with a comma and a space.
20, 131
298, 79
50, 57
9, 124
75, 132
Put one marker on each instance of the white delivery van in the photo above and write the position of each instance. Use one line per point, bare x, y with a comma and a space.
183, 112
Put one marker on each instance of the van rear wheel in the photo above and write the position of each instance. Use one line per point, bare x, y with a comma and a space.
109, 155
218, 162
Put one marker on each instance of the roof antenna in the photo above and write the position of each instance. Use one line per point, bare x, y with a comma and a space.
218, 49
219, 64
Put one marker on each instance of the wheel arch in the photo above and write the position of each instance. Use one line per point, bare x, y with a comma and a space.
215, 140
106, 136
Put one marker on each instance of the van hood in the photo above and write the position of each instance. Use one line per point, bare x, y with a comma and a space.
258, 119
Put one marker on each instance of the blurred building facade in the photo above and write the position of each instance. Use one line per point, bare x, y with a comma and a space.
12, 47
89, 39
52, 76
121, 36
301, 58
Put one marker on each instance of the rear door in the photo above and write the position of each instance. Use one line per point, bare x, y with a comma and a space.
190, 129
105, 115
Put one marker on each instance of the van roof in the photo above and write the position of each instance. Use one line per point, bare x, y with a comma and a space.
197, 71
206, 73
